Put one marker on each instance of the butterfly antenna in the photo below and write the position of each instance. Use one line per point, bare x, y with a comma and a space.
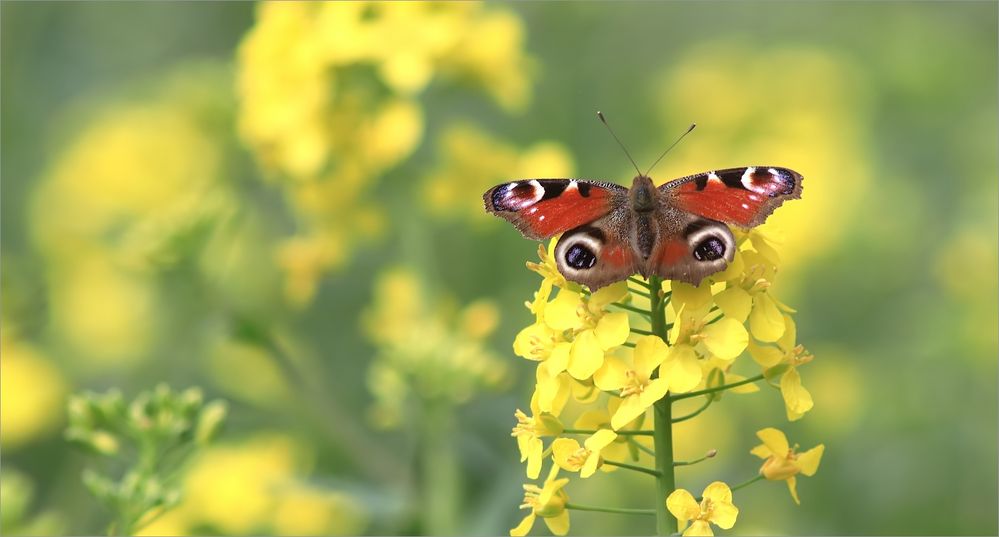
604, 121
692, 125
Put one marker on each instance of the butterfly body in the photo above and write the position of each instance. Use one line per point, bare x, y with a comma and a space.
678, 231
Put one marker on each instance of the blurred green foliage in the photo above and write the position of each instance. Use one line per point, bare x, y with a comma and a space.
150, 234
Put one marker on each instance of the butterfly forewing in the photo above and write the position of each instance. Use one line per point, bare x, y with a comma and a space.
543, 208
740, 196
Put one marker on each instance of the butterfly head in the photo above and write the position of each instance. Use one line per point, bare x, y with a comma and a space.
643, 194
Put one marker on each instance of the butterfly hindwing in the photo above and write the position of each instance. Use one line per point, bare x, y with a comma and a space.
690, 247
740, 196
543, 208
598, 253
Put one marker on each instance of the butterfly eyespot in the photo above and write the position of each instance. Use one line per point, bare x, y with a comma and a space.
580, 257
709, 249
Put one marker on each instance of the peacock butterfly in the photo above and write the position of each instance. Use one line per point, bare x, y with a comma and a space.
678, 231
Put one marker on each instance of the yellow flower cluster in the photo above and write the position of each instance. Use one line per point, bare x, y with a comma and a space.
329, 103
255, 486
427, 348
472, 160
137, 189
597, 349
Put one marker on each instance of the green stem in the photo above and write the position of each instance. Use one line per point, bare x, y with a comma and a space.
662, 412
641, 332
615, 510
640, 293
634, 467
439, 469
747, 482
705, 391
643, 448
706, 456
633, 279
702, 408
619, 433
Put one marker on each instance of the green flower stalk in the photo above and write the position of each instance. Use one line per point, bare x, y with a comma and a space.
637, 347
153, 437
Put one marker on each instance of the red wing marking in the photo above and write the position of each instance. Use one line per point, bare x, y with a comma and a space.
740, 196
542, 208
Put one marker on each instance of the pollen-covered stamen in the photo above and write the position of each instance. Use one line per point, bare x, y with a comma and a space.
531, 494
634, 385
799, 355
525, 425
707, 508
760, 285
579, 456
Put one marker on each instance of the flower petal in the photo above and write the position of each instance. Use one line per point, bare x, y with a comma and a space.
535, 449
681, 369
630, 409
602, 297
735, 303
789, 339
683, 505
792, 486
562, 451
558, 360
766, 321
600, 440
525, 526
586, 355
689, 297
700, 528
525, 344
761, 451
590, 465
558, 524
654, 391
726, 338
765, 355
718, 492
612, 330
724, 514
613, 375
775, 441
797, 400
594, 419
562, 313
650, 351
809, 460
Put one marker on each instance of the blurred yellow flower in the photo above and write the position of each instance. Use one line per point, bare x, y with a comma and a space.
32, 393
808, 124
715, 507
306, 511
547, 502
329, 103
782, 463
426, 347
472, 160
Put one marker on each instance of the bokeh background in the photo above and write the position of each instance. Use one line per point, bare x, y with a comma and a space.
281, 204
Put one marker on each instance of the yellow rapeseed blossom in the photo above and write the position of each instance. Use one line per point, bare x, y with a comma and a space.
715, 508
31, 393
547, 502
329, 102
427, 348
782, 462
585, 459
638, 389
787, 356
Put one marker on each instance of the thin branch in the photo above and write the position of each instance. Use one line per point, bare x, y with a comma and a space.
634, 467
706, 391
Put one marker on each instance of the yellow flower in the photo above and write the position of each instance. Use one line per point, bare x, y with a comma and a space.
32, 393
528, 432
787, 356
746, 296
623, 447
595, 330
570, 456
638, 389
782, 463
716, 508
547, 502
